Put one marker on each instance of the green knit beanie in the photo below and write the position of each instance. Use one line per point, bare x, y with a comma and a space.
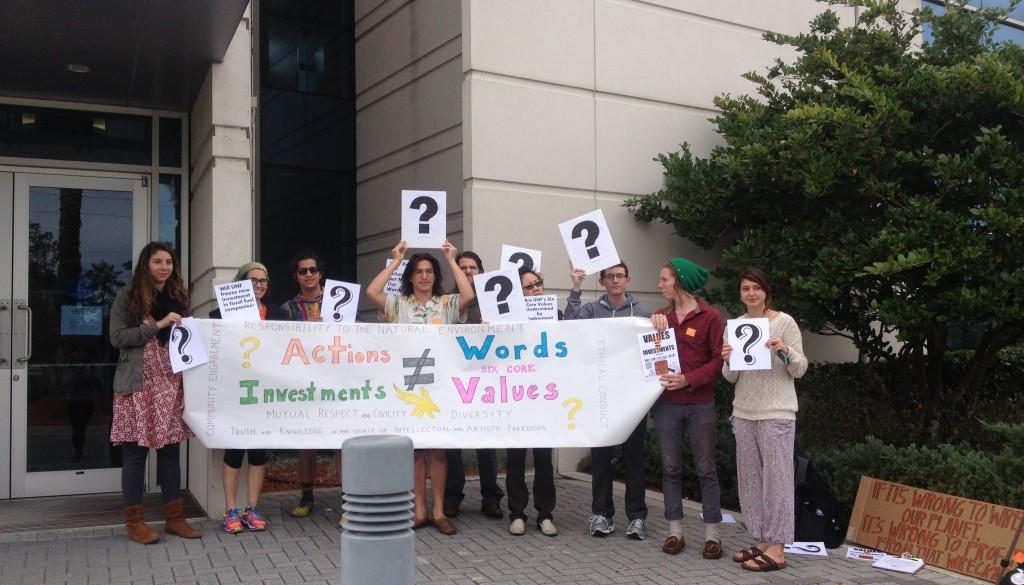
693, 276
240, 275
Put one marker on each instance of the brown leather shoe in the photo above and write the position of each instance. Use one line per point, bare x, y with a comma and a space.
492, 510
420, 523
673, 545
712, 550
138, 530
444, 526
174, 514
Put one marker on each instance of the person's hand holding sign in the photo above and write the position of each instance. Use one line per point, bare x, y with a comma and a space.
670, 381
578, 275
171, 318
398, 253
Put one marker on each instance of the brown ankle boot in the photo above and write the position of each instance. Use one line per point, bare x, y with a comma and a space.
137, 528
174, 514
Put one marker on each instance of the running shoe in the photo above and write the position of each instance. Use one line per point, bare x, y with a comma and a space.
232, 521
253, 519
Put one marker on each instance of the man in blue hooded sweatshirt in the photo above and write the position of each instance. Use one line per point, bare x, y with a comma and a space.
616, 302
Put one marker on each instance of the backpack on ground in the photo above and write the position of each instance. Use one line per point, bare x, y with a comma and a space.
817, 511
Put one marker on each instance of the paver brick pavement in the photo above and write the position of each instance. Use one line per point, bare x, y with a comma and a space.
306, 551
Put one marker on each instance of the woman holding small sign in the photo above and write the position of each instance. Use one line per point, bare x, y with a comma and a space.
251, 518
764, 422
148, 396
422, 301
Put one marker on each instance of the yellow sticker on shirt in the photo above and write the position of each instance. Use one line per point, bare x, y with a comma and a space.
690, 332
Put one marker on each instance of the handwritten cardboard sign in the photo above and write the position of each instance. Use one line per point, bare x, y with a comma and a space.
962, 535
237, 301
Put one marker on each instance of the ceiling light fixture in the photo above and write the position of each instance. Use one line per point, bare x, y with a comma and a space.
78, 68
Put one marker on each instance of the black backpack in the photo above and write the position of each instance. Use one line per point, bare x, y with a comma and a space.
817, 511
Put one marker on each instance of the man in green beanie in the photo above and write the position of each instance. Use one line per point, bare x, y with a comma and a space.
687, 405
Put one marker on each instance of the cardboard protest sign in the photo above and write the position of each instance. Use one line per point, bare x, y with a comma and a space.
589, 242
659, 353
185, 346
500, 295
747, 338
962, 535
340, 302
424, 218
520, 258
310, 385
237, 301
541, 307
394, 285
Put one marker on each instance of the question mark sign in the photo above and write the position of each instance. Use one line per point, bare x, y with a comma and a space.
344, 295
429, 211
523, 260
245, 343
505, 288
577, 404
592, 231
745, 330
183, 338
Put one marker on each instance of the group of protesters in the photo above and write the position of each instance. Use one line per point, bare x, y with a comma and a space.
148, 402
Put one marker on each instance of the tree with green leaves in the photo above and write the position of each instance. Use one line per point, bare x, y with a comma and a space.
879, 178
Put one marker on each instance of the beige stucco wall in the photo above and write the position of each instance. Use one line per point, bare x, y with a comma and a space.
221, 213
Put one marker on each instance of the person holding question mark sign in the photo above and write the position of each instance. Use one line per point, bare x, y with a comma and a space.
148, 396
764, 422
422, 301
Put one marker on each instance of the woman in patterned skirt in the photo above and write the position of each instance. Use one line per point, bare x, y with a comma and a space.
148, 396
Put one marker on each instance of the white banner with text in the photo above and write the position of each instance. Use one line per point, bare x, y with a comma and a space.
277, 384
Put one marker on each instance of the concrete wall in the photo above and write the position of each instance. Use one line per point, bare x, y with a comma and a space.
408, 118
566, 103
221, 213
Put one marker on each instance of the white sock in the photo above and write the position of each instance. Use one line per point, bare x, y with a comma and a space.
711, 533
675, 527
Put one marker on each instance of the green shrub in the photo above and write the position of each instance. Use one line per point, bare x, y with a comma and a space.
964, 470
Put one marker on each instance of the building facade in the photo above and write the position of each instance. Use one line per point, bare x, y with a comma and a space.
238, 131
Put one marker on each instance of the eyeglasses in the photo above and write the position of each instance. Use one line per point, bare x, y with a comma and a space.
533, 285
621, 276
305, 271
259, 281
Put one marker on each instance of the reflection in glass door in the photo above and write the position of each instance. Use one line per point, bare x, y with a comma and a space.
75, 240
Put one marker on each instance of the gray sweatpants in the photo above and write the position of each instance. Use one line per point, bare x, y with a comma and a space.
764, 469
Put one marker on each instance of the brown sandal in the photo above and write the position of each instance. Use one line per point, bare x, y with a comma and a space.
420, 523
763, 564
673, 545
745, 555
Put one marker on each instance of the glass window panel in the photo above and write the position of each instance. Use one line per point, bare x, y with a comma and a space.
170, 211
32, 132
170, 142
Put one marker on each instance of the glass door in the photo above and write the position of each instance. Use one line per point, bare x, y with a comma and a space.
75, 239
6, 350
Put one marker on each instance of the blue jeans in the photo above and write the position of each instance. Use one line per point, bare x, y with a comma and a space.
697, 421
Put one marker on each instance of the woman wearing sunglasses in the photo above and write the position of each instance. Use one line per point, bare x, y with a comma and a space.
544, 475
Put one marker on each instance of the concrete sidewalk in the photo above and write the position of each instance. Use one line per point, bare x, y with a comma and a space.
307, 551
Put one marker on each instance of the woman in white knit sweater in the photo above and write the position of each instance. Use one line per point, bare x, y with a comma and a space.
764, 422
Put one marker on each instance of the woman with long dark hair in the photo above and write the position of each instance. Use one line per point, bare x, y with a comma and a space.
148, 396
422, 301
764, 422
